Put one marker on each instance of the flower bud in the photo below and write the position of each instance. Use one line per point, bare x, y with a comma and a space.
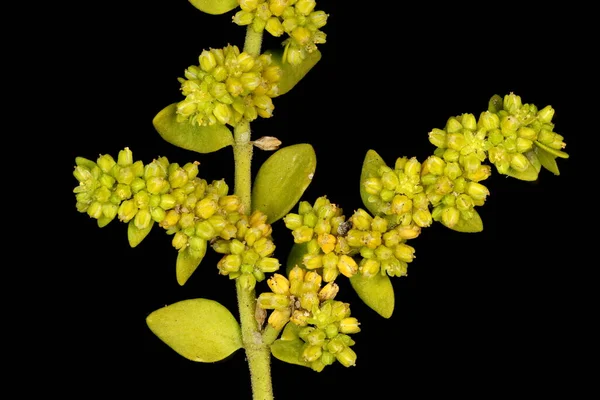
248, 282
467, 120
106, 162
279, 318
437, 137
545, 114
268, 264
243, 18
318, 18
142, 218
477, 191
349, 325
311, 353
229, 263
450, 216
519, 162
347, 266
125, 157
274, 27
329, 291
346, 357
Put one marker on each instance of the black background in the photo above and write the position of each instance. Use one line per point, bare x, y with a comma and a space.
489, 308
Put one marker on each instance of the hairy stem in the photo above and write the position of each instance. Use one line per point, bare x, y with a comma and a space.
257, 351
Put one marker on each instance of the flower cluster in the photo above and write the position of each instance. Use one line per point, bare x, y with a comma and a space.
514, 129
190, 209
228, 85
247, 250
325, 323
333, 245
297, 18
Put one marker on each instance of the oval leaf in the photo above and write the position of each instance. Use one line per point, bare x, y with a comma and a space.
201, 139
215, 7
289, 351
187, 263
370, 167
282, 179
534, 160
547, 160
136, 235
295, 256
289, 348
530, 174
472, 225
198, 329
557, 153
376, 292
292, 74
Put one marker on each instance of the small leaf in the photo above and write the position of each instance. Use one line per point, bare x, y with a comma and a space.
291, 331
136, 235
201, 139
472, 225
530, 174
282, 179
103, 221
292, 74
534, 160
289, 348
215, 7
295, 256
84, 162
289, 351
376, 292
187, 263
198, 329
370, 168
557, 153
547, 160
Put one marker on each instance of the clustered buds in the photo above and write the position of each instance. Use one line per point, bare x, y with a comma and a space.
228, 85
399, 193
514, 129
297, 18
190, 209
325, 323
333, 245
247, 249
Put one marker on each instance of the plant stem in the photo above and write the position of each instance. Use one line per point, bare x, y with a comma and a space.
258, 352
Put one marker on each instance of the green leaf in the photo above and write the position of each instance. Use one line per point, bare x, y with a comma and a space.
198, 329
534, 160
136, 235
472, 225
376, 292
547, 160
103, 221
557, 153
370, 168
292, 74
295, 256
187, 263
282, 179
201, 139
289, 348
215, 7
530, 174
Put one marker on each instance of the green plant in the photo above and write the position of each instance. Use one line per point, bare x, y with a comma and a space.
201, 214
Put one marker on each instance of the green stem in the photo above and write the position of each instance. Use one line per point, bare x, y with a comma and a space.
258, 352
